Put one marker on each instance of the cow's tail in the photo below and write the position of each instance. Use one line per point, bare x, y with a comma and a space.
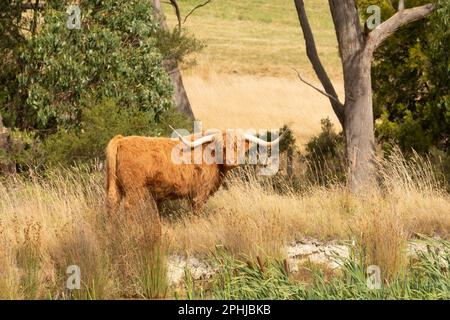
113, 196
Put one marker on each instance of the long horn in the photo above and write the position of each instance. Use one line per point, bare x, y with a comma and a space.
195, 143
262, 142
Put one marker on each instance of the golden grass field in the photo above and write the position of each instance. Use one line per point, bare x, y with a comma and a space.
260, 37
244, 77
248, 101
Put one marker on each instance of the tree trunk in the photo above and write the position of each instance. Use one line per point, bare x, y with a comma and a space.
358, 122
180, 97
6, 166
359, 126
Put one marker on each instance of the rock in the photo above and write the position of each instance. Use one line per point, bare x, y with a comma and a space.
329, 254
417, 247
299, 249
177, 265
175, 269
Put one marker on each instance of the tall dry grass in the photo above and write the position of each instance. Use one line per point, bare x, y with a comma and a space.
48, 223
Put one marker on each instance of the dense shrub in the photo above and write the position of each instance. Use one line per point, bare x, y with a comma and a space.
325, 155
410, 81
53, 73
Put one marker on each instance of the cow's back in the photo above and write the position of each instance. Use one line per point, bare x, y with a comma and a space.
146, 162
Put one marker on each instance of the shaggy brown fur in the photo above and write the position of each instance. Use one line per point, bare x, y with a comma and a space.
140, 169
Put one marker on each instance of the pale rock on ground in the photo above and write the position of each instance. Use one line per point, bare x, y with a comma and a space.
329, 253
177, 265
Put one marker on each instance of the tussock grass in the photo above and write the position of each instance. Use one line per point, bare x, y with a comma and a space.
52, 222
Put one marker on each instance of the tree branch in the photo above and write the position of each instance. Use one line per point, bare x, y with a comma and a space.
313, 57
174, 4
398, 20
195, 8
317, 89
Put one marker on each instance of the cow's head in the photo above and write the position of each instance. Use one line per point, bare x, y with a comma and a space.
233, 145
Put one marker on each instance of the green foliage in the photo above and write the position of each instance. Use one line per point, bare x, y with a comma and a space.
388, 8
56, 73
98, 125
25, 149
176, 45
427, 277
113, 55
325, 156
288, 143
411, 83
12, 41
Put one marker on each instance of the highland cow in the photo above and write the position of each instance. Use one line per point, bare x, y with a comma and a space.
142, 169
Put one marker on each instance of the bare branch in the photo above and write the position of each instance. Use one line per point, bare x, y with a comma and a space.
313, 56
174, 4
195, 8
398, 20
401, 5
317, 89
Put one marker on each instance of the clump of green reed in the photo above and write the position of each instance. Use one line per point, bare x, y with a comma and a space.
427, 277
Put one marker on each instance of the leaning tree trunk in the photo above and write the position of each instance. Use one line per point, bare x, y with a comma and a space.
180, 97
356, 52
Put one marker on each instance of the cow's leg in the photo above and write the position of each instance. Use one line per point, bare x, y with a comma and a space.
197, 205
154, 218
135, 199
113, 199
142, 205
